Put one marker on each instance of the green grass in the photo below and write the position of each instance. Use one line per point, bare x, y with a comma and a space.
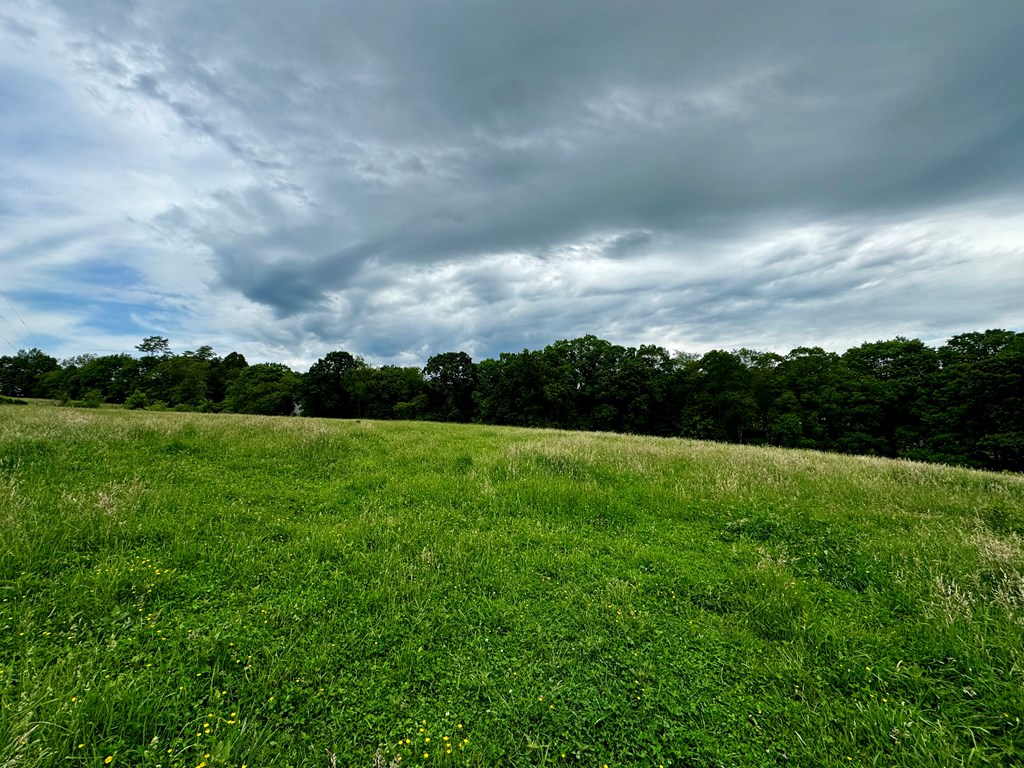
185, 590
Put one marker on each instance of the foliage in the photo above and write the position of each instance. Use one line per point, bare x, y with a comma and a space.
959, 404
222, 374
91, 399
326, 387
976, 413
450, 382
20, 374
155, 346
383, 393
184, 590
268, 389
136, 400
512, 391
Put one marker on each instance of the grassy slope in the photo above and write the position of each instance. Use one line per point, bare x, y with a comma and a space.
180, 589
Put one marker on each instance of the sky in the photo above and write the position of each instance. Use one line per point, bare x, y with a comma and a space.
401, 179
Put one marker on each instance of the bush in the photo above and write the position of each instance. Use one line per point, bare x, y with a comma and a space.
92, 399
4, 400
136, 400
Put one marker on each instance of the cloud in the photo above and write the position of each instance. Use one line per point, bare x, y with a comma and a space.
401, 179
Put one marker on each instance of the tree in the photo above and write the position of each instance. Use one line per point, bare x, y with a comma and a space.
155, 346
641, 387
381, 393
510, 390
905, 373
835, 409
724, 396
182, 380
114, 376
977, 414
223, 372
579, 383
325, 391
451, 381
974, 347
20, 375
265, 388
205, 352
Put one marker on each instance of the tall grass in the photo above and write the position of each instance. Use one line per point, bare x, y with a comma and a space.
186, 590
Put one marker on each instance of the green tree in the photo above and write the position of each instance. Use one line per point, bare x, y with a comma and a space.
836, 410
510, 390
154, 346
977, 415
451, 381
223, 372
265, 388
21, 374
205, 352
182, 380
326, 388
580, 383
724, 396
114, 376
383, 393
905, 373
640, 388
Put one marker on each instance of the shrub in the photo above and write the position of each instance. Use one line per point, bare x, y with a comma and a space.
136, 400
92, 399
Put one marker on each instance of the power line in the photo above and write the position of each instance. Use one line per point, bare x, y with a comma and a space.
16, 334
8, 343
22, 319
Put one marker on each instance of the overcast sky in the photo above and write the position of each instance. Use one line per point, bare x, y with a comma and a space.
399, 179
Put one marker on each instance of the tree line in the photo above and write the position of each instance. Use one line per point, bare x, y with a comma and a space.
961, 403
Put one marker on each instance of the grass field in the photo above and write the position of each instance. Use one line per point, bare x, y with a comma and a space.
213, 590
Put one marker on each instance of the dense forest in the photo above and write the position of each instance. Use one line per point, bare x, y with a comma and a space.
962, 403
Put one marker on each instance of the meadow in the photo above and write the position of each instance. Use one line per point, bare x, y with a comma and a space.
188, 590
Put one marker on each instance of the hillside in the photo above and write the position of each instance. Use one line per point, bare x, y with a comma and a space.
184, 589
